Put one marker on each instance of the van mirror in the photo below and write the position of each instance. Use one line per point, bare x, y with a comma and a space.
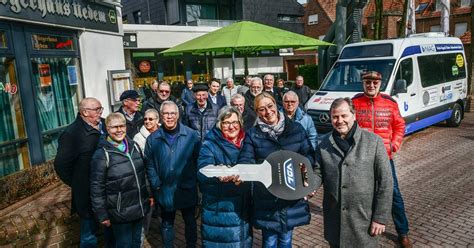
400, 86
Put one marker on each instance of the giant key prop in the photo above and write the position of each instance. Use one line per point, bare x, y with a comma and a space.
286, 174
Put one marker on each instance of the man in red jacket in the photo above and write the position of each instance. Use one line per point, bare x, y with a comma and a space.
379, 113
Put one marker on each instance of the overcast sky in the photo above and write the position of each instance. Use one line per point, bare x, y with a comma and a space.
302, 1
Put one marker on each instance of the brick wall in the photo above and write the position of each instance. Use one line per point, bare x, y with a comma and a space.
324, 22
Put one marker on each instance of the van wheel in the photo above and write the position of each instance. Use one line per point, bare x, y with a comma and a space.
456, 116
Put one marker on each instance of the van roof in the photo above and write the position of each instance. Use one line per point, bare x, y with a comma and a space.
400, 45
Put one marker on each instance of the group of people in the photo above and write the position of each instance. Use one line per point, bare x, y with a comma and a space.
121, 167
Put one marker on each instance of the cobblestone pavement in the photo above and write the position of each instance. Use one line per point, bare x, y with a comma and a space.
435, 169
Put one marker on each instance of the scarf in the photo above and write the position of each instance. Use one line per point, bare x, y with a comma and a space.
122, 146
238, 142
273, 130
345, 144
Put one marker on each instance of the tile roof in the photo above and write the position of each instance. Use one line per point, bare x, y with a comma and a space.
329, 7
466, 38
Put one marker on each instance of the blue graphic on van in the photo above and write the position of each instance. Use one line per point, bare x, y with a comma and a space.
289, 174
405, 106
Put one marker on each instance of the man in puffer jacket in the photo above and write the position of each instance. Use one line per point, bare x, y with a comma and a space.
118, 186
379, 113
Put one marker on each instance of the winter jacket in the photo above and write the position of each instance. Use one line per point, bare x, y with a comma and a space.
269, 212
228, 93
171, 169
202, 122
381, 116
133, 126
140, 138
187, 97
220, 100
76, 146
304, 94
225, 206
118, 183
357, 188
155, 103
305, 120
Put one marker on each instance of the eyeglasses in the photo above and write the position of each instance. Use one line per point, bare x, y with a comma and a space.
288, 102
149, 119
373, 82
164, 91
97, 110
227, 124
117, 127
171, 114
266, 108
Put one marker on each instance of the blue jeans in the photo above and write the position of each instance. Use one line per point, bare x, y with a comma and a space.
190, 227
89, 227
398, 207
128, 235
274, 239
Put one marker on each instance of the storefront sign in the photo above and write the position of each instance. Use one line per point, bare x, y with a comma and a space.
45, 75
144, 66
129, 40
52, 42
8, 88
75, 13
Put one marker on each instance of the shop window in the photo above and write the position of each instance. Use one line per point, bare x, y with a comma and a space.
56, 84
13, 146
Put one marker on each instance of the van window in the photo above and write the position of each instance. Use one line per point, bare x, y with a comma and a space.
405, 71
441, 68
345, 76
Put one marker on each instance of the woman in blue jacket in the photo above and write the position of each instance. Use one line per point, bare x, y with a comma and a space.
225, 200
275, 217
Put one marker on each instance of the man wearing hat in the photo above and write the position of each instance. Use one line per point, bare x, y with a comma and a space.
379, 113
130, 104
202, 114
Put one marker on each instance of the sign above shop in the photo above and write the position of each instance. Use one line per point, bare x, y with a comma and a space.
144, 66
75, 13
129, 40
52, 42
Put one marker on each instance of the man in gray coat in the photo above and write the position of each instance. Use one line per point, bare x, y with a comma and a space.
354, 167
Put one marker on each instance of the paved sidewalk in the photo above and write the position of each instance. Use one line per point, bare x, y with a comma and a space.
436, 176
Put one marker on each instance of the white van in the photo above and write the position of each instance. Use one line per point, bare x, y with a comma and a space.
425, 73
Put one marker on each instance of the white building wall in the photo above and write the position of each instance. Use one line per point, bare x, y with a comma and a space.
256, 65
100, 52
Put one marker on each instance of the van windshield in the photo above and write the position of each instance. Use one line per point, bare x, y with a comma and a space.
345, 76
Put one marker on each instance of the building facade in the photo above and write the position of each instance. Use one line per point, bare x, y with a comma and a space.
284, 14
51, 56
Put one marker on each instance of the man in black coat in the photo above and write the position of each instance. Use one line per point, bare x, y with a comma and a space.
130, 104
163, 94
303, 91
76, 146
249, 116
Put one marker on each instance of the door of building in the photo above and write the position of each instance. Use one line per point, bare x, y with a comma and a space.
292, 67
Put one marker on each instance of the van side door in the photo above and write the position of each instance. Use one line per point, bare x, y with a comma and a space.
408, 103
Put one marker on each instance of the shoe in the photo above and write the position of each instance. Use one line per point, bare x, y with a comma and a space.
404, 241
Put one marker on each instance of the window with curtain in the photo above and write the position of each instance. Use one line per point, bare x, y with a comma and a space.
56, 82
13, 147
